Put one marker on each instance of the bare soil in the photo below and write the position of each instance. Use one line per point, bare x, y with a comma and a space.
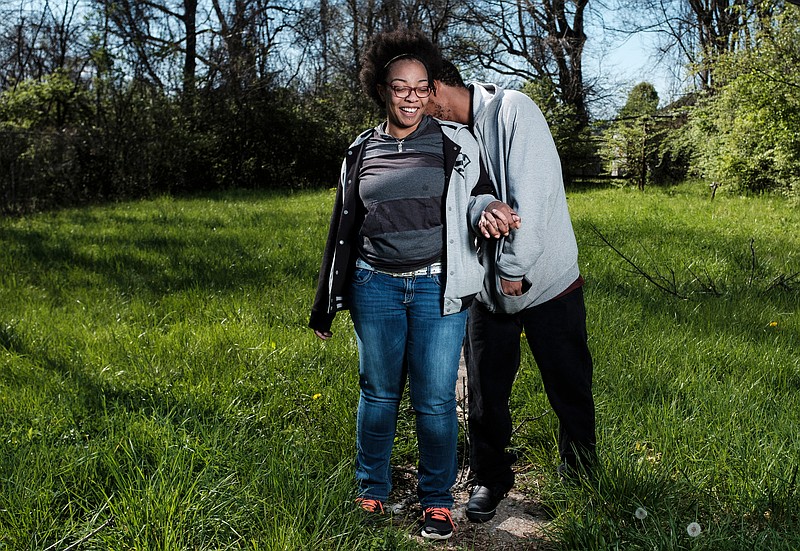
518, 524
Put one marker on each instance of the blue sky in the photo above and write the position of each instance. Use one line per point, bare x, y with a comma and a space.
635, 61
621, 62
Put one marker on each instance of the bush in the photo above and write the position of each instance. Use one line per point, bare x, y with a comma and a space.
62, 147
747, 134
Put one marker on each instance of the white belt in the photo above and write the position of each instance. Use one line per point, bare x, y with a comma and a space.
433, 269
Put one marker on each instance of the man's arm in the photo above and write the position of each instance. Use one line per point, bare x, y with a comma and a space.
533, 179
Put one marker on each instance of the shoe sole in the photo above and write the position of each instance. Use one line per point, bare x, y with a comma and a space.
435, 536
480, 516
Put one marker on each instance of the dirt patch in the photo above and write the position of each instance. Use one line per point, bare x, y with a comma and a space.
518, 524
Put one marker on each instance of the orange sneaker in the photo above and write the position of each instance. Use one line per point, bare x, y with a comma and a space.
370, 505
438, 523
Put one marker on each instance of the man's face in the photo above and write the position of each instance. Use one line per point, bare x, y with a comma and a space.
436, 108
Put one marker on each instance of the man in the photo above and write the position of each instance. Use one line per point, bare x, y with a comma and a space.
532, 283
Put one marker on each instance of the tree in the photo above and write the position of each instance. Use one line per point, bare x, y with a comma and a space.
531, 39
38, 39
747, 135
642, 100
696, 33
631, 141
332, 34
147, 34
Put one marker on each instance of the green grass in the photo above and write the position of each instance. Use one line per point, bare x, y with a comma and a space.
160, 389
697, 397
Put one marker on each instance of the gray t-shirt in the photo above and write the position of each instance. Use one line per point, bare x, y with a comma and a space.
402, 185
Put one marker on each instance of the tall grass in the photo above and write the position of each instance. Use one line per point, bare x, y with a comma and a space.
159, 388
697, 373
156, 371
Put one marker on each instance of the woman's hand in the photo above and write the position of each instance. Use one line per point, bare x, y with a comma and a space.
324, 335
497, 220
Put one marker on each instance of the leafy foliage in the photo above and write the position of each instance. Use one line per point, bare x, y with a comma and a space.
642, 100
639, 144
134, 100
630, 149
52, 102
60, 148
747, 135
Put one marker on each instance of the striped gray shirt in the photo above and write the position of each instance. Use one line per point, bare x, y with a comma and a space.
402, 186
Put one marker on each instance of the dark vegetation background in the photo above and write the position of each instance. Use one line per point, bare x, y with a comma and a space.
102, 100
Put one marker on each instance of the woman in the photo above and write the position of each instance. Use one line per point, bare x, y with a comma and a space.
401, 256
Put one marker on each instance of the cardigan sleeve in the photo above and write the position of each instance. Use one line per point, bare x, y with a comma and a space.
321, 312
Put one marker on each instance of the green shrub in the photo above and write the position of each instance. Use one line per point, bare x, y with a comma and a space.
747, 134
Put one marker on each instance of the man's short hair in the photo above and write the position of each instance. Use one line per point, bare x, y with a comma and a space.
450, 76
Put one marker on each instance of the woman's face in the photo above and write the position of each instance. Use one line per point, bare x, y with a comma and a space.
404, 114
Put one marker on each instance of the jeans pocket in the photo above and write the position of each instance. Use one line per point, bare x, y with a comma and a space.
362, 276
437, 279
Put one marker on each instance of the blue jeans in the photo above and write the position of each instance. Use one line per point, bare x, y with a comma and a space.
401, 334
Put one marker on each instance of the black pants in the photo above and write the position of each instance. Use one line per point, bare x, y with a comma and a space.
556, 333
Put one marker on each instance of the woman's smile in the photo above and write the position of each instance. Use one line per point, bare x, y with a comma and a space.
404, 107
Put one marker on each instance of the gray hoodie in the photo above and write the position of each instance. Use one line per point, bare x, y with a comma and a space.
524, 166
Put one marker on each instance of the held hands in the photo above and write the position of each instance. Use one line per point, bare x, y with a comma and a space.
497, 220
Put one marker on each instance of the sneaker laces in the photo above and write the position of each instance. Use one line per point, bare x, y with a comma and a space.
370, 505
441, 514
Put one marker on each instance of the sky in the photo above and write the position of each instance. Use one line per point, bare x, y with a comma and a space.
621, 62
634, 61
619, 65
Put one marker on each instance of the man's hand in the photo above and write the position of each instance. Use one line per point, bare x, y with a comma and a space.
324, 335
497, 220
511, 288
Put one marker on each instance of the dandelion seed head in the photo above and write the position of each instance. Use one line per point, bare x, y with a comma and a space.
693, 529
640, 513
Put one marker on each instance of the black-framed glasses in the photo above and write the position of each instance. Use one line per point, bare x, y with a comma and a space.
403, 92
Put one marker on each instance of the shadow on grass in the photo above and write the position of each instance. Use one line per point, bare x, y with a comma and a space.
134, 261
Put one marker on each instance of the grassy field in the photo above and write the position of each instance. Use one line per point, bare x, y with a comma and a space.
159, 389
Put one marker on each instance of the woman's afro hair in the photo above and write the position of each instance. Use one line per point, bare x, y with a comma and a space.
401, 43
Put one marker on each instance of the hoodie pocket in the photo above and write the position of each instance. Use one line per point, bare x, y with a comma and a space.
511, 304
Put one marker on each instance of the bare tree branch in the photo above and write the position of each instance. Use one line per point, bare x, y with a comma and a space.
670, 289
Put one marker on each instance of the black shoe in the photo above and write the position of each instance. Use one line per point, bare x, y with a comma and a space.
437, 523
482, 504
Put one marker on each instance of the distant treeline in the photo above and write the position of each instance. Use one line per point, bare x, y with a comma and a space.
104, 100
139, 142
